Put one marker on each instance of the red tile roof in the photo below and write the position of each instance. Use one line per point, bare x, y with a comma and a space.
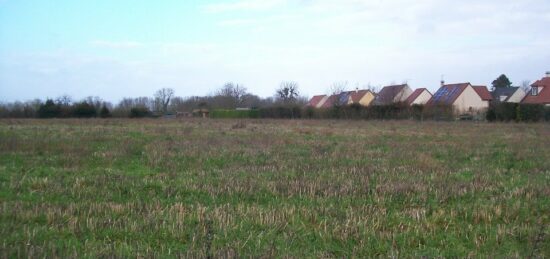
447, 94
315, 100
331, 101
543, 97
415, 95
387, 94
483, 92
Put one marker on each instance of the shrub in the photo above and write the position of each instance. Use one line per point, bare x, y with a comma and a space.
530, 112
491, 114
140, 112
234, 114
281, 112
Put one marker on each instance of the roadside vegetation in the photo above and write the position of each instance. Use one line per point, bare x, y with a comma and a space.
273, 188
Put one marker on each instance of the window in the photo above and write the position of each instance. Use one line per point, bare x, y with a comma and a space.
534, 90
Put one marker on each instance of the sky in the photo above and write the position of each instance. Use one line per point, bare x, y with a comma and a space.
131, 48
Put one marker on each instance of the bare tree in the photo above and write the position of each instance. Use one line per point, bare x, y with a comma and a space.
338, 87
162, 98
287, 92
374, 89
94, 101
64, 100
234, 92
526, 86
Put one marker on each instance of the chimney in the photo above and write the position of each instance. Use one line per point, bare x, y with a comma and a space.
356, 89
442, 82
548, 74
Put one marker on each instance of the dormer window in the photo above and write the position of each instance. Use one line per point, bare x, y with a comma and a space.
534, 90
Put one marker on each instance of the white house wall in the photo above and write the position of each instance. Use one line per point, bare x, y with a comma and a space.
323, 101
517, 97
423, 98
403, 95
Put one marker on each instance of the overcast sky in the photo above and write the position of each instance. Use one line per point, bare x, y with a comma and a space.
130, 48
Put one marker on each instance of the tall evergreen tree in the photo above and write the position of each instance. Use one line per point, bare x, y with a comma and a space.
104, 112
502, 82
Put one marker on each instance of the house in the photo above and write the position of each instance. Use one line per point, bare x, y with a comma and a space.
361, 97
393, 94
317, 101
331, 101
184, 114
540, 92
204, 113
464, 98
483, 92
420, 96
508, 94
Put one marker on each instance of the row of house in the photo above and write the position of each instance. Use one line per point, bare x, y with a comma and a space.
464, 97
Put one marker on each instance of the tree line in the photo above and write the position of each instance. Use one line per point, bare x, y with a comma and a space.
164, 101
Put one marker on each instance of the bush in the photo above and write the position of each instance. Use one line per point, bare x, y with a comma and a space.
281, 112
84, 110
491, 114
234, 114
530, 112
140, 112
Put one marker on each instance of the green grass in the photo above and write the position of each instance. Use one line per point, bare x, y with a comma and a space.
273, 188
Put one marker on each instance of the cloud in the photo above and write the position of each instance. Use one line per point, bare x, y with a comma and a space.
117, 44
244, 5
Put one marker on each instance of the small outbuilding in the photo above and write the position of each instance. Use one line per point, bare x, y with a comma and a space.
203, 113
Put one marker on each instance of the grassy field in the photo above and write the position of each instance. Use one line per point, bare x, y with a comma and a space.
225, 188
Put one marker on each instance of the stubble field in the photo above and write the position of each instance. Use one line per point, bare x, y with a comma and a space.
273, 188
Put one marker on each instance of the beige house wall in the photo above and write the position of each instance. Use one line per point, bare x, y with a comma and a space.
517, 97
403, 95
367, 99
423, 98
469, 99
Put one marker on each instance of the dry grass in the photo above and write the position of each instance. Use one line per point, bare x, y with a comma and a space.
273, 188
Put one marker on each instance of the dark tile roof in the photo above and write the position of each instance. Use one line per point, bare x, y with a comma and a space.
503, 91
387, 94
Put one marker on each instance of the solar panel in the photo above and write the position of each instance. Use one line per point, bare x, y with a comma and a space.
452, 93
343, 99
440, 94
